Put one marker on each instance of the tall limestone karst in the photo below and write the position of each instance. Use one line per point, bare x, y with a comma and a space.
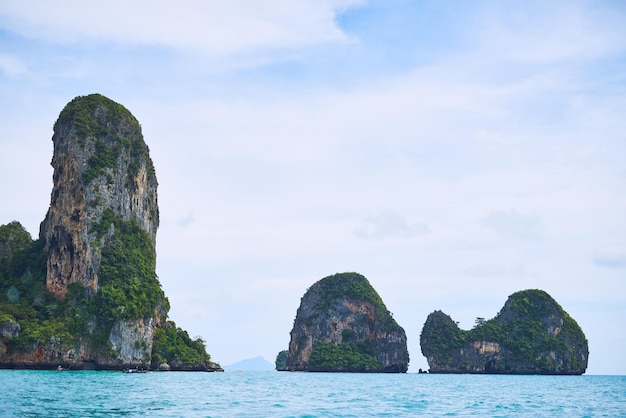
342, 325
102, 172
531, 334
86, 293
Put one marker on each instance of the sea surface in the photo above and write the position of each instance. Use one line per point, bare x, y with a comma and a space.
29, 393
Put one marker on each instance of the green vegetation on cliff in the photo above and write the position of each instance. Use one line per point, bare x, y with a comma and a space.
112, 128
24, 299
82, 111
129, 287
347, 357
355, 287
173, 345
280, 363
13, 238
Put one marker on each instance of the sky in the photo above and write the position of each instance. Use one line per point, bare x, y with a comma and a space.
451, 152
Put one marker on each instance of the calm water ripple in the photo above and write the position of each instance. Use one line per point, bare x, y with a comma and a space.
26, 393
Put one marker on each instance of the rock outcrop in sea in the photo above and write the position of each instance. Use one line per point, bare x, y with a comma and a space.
86, 293
342, 325
280, 364
531, 334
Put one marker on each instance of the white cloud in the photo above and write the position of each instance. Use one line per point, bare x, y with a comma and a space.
610, 255
12, 65
513, 225
388, 225
496, 270
187, 220
553, 31
211, 27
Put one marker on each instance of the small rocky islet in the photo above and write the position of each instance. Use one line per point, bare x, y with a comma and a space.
85, 294
338, 328
531, 334
342, 325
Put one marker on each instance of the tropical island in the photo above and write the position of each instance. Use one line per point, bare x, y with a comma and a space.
85, 294
531, 334
342, 325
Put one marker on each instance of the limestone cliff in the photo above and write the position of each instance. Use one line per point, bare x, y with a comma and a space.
100, 163
531, 334
103, 180
343, 325
93, 299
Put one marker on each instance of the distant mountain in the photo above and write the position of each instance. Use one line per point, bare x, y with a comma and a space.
252, 364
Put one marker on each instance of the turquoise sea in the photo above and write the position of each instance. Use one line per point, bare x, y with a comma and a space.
29, 393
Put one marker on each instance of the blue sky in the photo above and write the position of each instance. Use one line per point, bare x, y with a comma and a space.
452, 152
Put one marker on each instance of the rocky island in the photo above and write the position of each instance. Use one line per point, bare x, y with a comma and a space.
342, 325
531, 334
85, 294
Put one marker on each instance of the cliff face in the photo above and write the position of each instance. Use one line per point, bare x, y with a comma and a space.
103, 176
343, 325
100, 163
86, 294
531, 334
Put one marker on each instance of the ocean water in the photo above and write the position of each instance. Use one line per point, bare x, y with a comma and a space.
28, 393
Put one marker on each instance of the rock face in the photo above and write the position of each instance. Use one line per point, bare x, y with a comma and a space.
100, 163
531, 334
103, 176
342, 325
102, 303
